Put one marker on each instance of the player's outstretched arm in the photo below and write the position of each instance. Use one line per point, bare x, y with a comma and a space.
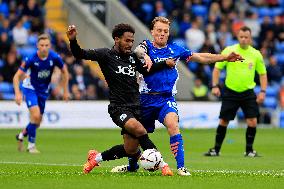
76, 50
65, 80
157, 66
208, 58
16, 83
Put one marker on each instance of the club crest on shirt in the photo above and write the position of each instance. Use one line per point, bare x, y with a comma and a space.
36, 63
250, 65
122, 117
131, 60
51, 63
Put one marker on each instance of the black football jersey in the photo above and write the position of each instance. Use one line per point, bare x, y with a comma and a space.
119, 71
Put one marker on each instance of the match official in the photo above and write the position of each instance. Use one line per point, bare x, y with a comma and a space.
238, 91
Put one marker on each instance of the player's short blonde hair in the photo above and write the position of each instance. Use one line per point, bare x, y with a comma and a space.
160, 19
43, 37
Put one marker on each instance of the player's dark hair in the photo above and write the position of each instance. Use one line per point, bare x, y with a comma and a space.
43, 37
120, 29
159, 19
245, 28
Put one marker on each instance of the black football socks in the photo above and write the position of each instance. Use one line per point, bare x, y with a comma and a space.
250, 135
220, 135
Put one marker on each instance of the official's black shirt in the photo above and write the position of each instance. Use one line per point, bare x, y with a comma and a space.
119, 71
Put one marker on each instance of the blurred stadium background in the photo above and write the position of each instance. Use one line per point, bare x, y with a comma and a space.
200, 25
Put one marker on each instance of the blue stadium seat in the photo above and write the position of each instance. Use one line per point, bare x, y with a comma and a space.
276, 11
231, 42
260, 20
180, 41
4, 9
257, 89
281, 123
280, 47
27, 25
193, 66
199, 10
223, 76
1, 63
254, 10
148, 10
263, 11
26, 50
32, 40
282, 115
272, 91
281, 119
279, 58
6, 87
8, 96
240, 114
270, 102
281, 2
272, 12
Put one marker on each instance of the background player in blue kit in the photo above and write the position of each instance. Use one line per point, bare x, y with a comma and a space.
158, 90
36, 70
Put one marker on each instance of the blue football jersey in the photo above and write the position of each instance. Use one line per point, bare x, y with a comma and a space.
163, 81
40, 71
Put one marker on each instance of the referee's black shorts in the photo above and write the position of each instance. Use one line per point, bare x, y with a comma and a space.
121, 114
232, 101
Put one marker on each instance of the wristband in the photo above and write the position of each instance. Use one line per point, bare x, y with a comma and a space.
215, 86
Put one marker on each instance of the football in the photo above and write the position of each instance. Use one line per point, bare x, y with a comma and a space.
151, 159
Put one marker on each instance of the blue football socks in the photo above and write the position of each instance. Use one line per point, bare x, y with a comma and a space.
133, 162
176, 143
31, 131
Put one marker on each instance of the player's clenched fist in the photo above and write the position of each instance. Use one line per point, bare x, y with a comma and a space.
171, 62
234, 57
71, 32
18, 98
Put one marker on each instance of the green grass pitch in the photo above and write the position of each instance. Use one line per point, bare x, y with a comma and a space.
63, 152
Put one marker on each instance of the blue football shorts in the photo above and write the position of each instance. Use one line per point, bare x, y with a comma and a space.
156, 107
33, 98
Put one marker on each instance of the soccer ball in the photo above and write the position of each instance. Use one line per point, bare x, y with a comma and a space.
151, 159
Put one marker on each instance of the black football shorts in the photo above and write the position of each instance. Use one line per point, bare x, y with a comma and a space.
121, 114
232, 101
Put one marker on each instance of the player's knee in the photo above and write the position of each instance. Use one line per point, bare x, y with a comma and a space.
172, 124
173, 129
140, 131
252, 122
223, 122
36, 118
135, 128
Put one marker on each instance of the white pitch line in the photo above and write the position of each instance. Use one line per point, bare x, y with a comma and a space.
35, 163
246, 172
